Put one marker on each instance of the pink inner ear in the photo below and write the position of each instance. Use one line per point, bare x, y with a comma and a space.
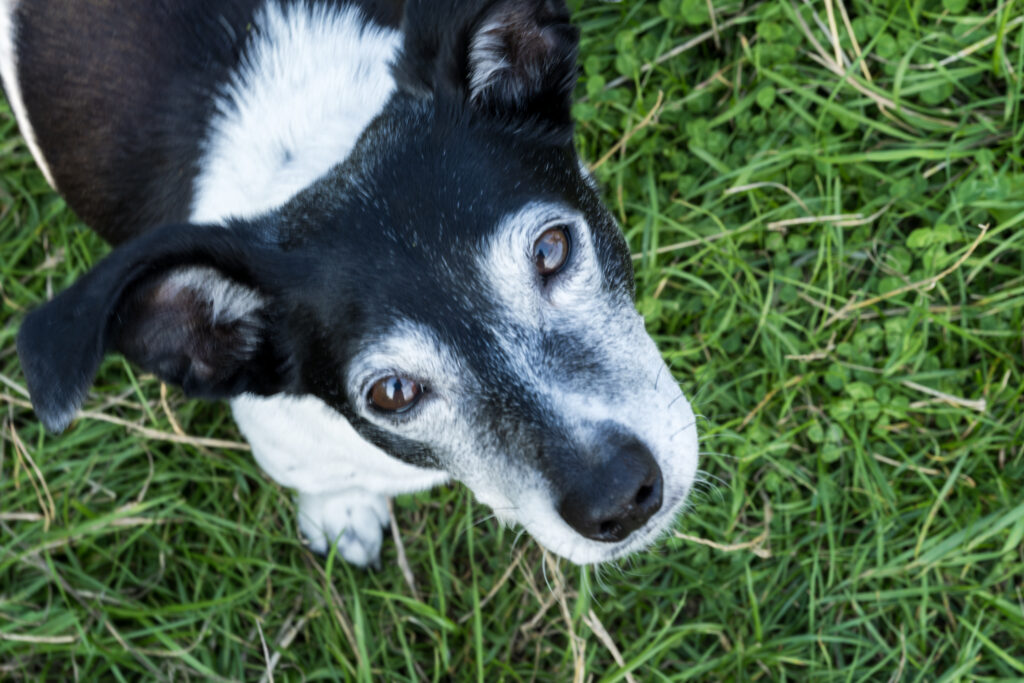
510, 53
228, 301
190, 325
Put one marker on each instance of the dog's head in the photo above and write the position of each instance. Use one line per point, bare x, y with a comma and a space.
455, 289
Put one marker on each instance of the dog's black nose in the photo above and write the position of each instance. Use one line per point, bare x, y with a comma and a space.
615, 498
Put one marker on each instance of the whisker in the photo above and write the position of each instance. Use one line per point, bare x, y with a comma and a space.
518, 536
544, 570
682, 429
688, 507
704, 489
616, 567
720, 454
484, 519
730, 436
697, 498
599, 579
711, 482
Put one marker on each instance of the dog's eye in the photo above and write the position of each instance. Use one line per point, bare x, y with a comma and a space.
395, 394
551, 250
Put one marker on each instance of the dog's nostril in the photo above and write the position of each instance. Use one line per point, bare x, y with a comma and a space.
643, 495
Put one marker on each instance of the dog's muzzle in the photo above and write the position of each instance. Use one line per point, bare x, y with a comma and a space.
617, 492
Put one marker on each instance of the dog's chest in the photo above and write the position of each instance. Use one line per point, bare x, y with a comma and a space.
311, 79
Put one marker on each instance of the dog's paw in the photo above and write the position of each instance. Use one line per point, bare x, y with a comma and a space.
354, 519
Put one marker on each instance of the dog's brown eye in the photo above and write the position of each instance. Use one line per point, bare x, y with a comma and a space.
551, 250
395, 394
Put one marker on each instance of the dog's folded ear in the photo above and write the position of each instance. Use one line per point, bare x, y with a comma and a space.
507, 56
188, 303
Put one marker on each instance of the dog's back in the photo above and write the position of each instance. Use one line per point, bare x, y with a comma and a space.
116, 98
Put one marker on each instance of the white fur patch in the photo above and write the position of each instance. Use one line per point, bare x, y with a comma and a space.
312, 78
305, 445
9, 74
513, 274
409, 350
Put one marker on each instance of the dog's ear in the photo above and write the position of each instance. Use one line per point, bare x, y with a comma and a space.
522, 57
188, 303
507, 56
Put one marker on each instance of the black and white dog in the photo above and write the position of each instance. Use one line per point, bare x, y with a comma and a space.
362, 221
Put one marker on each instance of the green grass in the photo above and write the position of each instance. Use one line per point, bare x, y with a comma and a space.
860, 378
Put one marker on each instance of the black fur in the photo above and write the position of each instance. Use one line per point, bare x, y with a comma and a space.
119, 117
121, 111
111, 309
390, 234
399, 228
392, 238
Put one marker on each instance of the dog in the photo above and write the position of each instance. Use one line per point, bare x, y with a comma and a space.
364, 223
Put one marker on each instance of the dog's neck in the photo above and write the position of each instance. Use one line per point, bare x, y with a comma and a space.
311, 79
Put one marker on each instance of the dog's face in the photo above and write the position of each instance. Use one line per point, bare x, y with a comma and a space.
455, 289
498, 341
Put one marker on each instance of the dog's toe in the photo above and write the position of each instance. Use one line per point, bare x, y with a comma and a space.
361, 549
353, 519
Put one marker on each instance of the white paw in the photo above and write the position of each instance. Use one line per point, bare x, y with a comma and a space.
354, 519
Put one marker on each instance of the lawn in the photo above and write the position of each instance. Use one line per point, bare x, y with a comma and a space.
825, 201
